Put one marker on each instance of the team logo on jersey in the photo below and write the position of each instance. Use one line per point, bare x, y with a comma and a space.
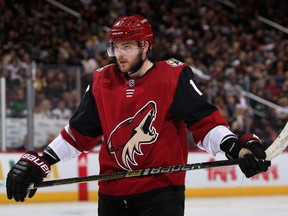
126, 139
174, 62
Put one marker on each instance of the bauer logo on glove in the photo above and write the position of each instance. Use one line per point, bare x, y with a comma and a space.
37, 161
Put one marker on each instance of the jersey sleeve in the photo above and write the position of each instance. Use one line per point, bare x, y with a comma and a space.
84, 129
191, 105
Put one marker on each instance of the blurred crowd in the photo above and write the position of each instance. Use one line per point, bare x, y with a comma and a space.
228, 43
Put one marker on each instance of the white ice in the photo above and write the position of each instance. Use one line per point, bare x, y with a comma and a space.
219, 206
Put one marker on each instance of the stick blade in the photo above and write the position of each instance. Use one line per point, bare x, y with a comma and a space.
279, 145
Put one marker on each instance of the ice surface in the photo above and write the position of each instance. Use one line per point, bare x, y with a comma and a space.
219, 206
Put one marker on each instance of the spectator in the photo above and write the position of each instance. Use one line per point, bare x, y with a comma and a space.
205, 34
14, 66
61, 111
43, 110
89, 64
18, 105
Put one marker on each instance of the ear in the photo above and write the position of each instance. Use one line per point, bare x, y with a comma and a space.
145, 46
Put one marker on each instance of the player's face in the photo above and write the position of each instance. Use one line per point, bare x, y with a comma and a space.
127, 54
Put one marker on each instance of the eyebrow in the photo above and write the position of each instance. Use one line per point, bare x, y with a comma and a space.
125, 43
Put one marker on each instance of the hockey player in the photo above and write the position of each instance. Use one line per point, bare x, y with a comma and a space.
142, 109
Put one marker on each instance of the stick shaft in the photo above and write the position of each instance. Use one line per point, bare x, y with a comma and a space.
137, 173
274, 149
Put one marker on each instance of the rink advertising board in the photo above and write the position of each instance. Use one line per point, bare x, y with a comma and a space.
219, 181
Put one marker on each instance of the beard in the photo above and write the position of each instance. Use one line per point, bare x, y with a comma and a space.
135, 65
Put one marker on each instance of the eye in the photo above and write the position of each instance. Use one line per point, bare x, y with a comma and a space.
126, 47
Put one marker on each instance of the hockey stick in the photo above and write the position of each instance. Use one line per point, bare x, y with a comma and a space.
278, 146
136, 173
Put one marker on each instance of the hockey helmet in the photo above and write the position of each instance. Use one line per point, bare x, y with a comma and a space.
134, 27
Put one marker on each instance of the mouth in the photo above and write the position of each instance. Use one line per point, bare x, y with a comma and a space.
122, 61
122, 65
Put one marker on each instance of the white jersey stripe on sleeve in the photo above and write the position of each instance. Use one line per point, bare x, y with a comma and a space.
63, 149
212, 140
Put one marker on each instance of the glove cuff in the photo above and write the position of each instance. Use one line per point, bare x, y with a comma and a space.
248, 139
231, 146
50, 156
35, 159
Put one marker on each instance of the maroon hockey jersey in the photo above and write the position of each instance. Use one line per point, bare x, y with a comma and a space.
143, 122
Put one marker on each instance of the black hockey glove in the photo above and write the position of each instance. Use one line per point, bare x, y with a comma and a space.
250, 148
31, 168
